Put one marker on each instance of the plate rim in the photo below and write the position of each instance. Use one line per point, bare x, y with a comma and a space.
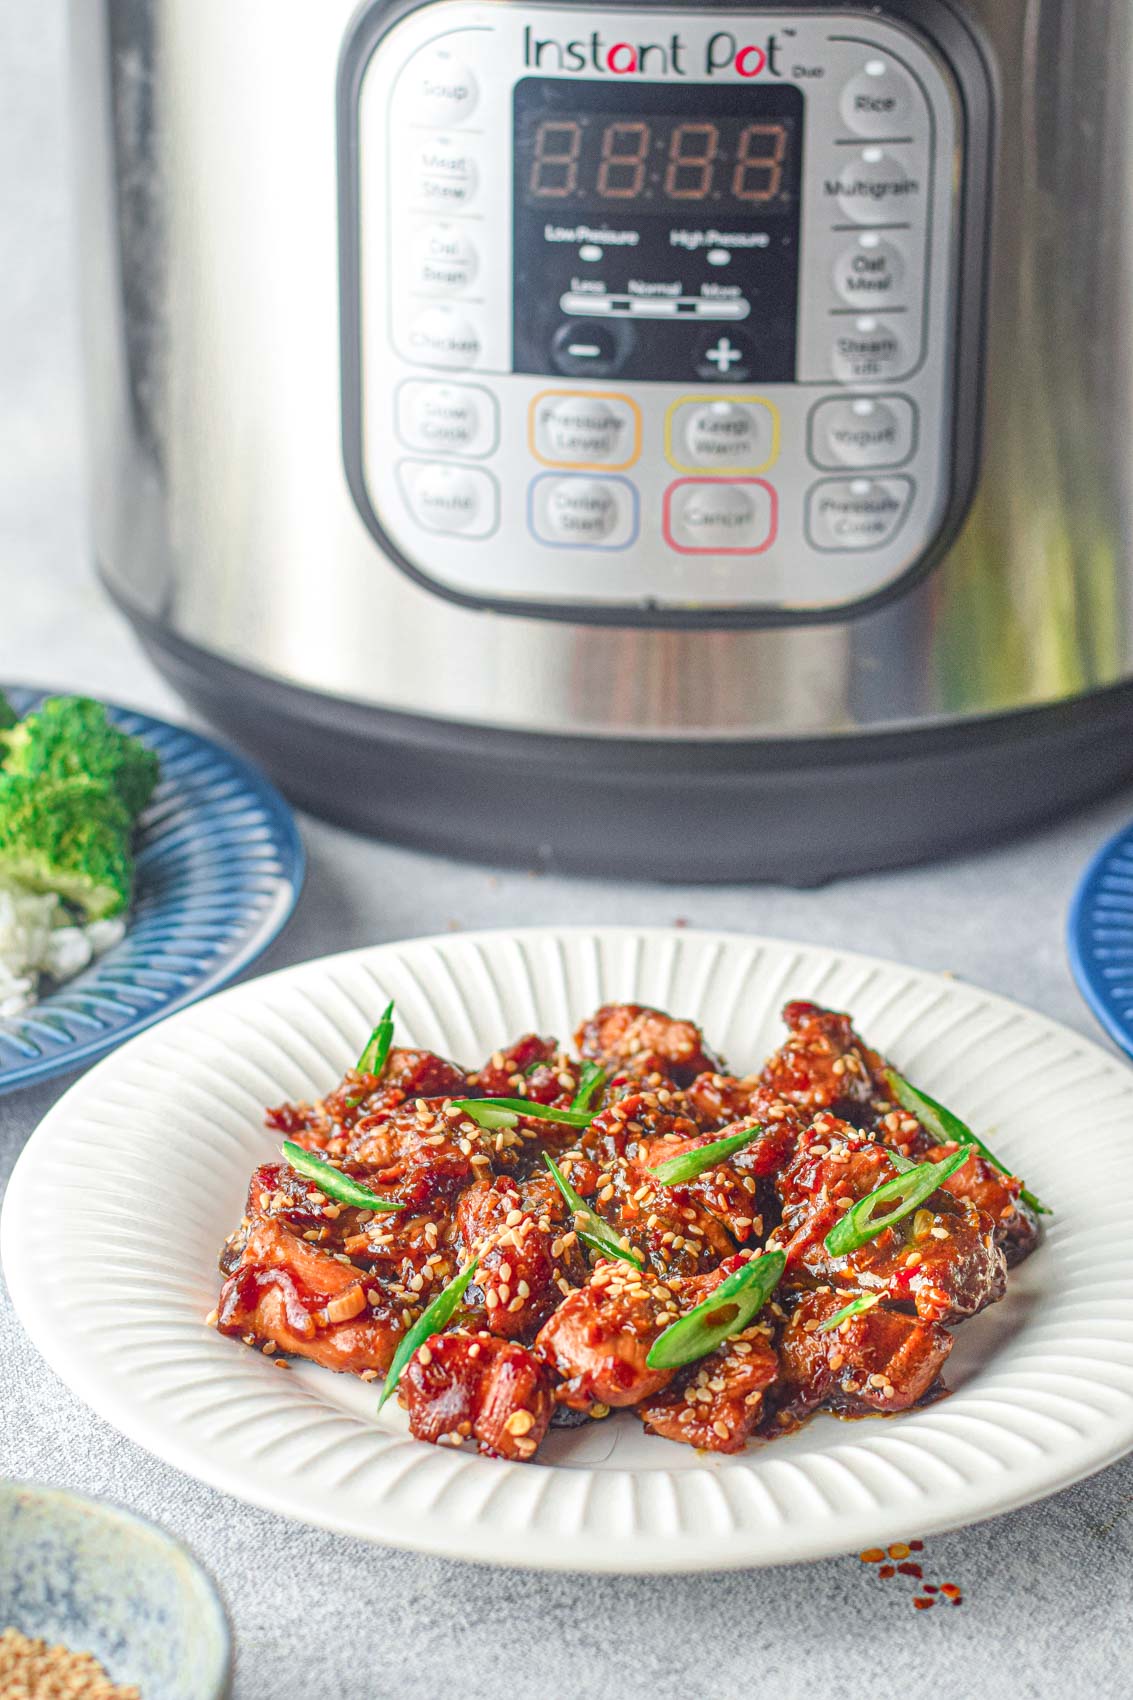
578, 1552
218, 978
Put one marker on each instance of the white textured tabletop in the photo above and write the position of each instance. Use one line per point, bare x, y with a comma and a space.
1048, 1592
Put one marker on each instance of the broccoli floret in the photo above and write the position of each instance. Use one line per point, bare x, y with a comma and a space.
8, 717
72, 738
70, 837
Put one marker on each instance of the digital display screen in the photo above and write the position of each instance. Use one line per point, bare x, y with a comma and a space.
670, 164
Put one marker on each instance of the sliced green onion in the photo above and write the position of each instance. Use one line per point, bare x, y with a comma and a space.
900, 1162
862, 1224
590, 1082
435, 1317
592, 1230
332, 1181
685, 1167
376, 1051
854, 1308
946, 1127
734, 1305
491, 1112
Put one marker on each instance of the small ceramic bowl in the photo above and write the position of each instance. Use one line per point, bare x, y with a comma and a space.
101, 1580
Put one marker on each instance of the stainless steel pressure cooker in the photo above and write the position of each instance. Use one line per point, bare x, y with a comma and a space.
679, 439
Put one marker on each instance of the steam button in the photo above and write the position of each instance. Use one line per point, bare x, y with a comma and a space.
439, 89
878, 101
866, 351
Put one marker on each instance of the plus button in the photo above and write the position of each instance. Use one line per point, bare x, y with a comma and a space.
723, 356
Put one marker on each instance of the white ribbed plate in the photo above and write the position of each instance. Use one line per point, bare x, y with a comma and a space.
118, 1206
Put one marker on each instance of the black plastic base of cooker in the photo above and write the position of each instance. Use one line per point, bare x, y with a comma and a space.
799, 812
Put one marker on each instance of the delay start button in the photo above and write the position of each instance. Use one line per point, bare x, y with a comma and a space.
853, 514
719, 516
571, 511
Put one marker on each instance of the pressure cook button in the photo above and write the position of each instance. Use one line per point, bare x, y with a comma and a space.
438, 88
586, 513
857, 513
876, 188
457, 499
878, 101
582, 347
575, 430
871, 273
440, 336
866, 351
443, 175
456, 419
444, 260
862, 431
722, 433
707, 516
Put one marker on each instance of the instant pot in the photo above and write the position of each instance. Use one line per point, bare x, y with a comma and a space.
679, 439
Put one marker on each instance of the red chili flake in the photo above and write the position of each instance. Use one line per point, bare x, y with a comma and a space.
910, 1570
931, 1588
951, 1592
923, 1604
916, 1546
886, 1571
899, 1550
872, 1555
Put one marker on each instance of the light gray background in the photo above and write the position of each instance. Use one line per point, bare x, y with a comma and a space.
1048, 1591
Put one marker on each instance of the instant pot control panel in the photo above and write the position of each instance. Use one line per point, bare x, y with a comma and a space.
657, 314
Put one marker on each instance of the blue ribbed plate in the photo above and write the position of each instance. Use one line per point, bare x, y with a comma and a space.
1100, 937
220, 867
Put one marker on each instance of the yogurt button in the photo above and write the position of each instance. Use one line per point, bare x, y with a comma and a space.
857, 513
866, 431
444, 261
704, 517
440, 336
865, 350
725, 433
876, 188
581, 510
871, 273
439, 89
454, 499
878, 101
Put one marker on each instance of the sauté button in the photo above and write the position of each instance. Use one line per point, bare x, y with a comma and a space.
724, 354
578, 429
438, 88
441, 336
878, 101
443, 174
865, 351
456, 499
862, 431
871, 272
457, 419
444, 260
705, 516
876, 188
857, 513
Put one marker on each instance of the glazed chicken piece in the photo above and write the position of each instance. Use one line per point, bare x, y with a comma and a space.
824, 1065
460, 1386
879, 1360
597, 1341
532, 1068
997, 1195
331, 1120
414, 1153
632, 1039
284, 1292
730, 1191
717, 1403
534, 1254
672, 1230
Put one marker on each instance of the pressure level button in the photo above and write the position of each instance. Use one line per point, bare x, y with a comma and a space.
438, 88
878, 101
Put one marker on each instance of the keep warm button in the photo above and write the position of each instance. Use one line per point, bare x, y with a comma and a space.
857, 513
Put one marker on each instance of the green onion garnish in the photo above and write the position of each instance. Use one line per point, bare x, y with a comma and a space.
590, 1082
946, 1127
862, 1224
435, 1317
900, 1162
505, 1112
685, 1167
373, 1058
854, 1308
332, 1181
735, 1304
592, 1230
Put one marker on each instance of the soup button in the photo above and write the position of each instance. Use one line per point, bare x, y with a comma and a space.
719, 516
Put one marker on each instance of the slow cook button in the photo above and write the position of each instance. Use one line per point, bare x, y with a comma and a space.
719, 516
444, 260
438, 88
583, 513
871, 273
457, 419
862, 431
579, 429
857, 513
443, 175
440, 336
876, 188
878, 101
866, 351
459, 500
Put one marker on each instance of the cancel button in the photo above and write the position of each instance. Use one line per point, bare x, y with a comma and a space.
857, 513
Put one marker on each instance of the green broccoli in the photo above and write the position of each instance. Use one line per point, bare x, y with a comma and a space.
72, 738
70, 837
8, 717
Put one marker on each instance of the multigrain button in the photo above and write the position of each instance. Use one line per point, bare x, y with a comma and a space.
871, 272
443, 175
574, 511
878, 101
857, 513
716, 516
439, 88
456, 419
442, 336
444, 261
866, 351
460, 500
862, 431
876, 188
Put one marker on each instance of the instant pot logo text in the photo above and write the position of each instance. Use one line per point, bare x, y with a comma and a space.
724, 55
